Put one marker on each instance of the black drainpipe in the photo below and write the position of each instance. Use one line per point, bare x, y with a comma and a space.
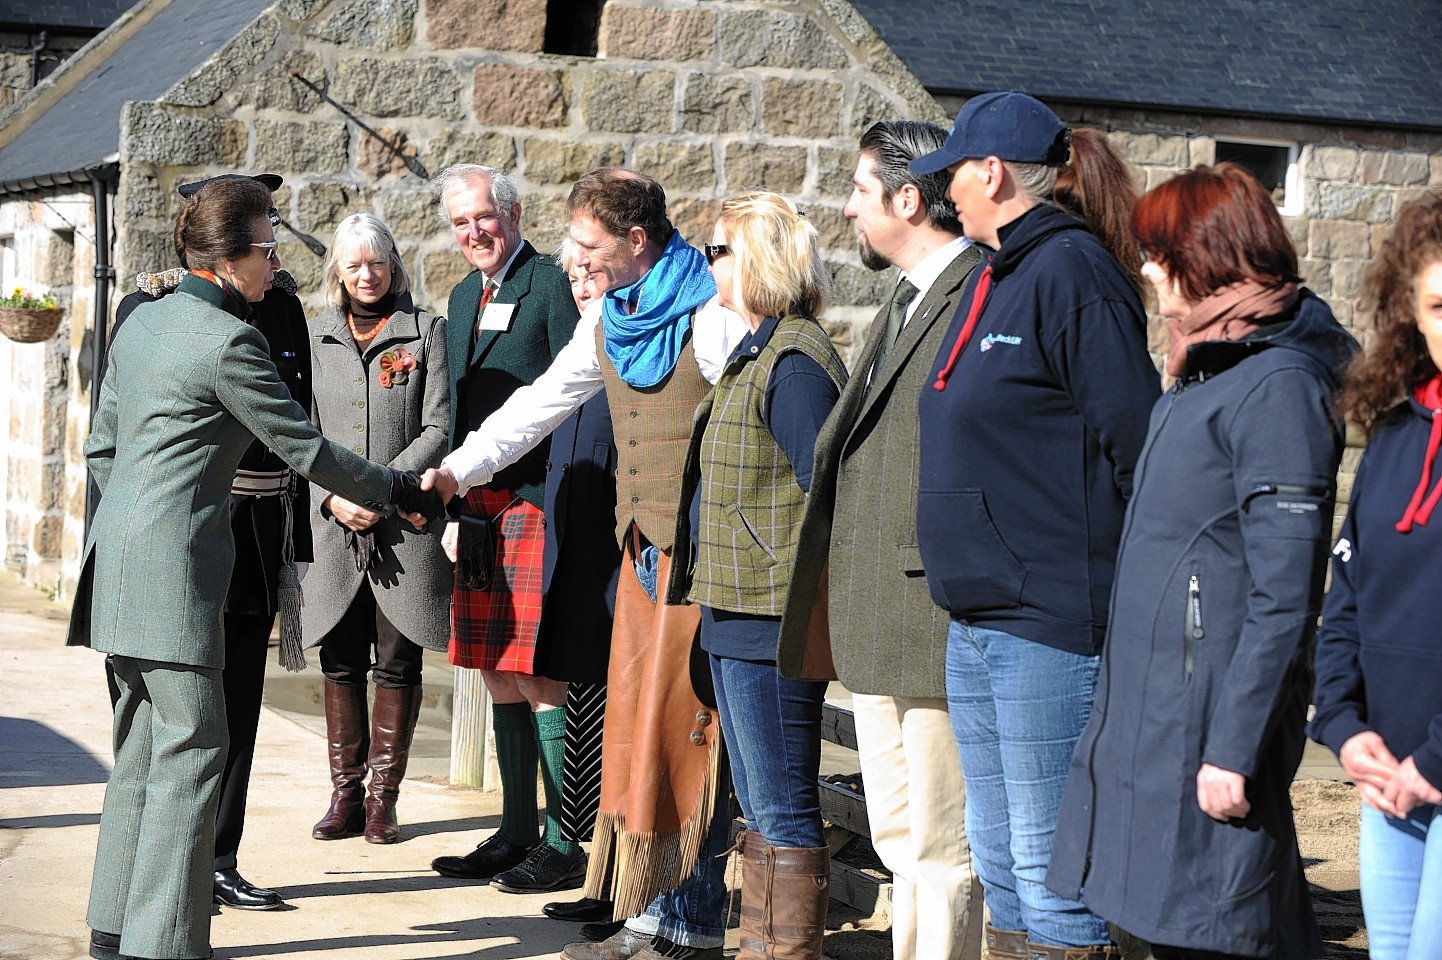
100, 181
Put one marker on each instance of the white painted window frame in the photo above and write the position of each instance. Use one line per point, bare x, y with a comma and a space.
1294, 205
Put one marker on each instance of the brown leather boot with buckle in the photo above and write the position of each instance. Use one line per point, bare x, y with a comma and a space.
784, 896
1004, 944
346, 737
1043, 951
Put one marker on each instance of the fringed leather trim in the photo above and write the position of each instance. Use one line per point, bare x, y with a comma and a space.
643, 866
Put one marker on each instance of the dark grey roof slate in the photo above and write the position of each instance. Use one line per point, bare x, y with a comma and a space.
91, 15
1358, 61
82, 129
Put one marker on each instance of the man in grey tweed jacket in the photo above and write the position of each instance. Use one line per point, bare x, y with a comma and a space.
888, 640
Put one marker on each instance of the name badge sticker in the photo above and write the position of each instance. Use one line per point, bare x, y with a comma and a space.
498, 316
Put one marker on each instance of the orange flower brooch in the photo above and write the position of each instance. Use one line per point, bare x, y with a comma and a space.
396, 366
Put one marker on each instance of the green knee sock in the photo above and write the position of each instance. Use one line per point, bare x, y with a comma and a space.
551, 735
516, 756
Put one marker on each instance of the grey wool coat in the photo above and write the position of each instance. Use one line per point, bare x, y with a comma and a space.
403, 425
189, 387
887, 636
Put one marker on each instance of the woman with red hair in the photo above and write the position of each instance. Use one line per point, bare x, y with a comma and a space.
1177, 823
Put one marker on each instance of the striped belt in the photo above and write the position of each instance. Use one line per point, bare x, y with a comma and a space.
261, 483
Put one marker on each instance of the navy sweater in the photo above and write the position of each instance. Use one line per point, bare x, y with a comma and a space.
1027, 453
1379, 654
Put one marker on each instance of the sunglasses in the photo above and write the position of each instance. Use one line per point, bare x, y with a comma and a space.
269, 248
715, 251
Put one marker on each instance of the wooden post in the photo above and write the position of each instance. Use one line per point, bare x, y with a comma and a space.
473, 753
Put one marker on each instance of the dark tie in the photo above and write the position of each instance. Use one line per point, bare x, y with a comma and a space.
903, 295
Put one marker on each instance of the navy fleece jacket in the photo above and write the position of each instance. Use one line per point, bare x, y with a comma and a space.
1028, 451
1379, 653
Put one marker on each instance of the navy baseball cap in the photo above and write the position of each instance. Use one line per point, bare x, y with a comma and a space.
270, 181
1012, 126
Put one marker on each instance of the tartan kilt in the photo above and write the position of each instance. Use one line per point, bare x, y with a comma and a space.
495, 629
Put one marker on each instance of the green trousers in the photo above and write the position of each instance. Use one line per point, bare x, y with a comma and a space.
153, 864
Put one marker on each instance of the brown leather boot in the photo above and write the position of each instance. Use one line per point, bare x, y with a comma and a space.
1043, 951
787, 890
392, 725
1004, 944
345, 733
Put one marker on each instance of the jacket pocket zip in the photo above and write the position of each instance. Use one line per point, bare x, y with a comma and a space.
1282, 490
1194, 631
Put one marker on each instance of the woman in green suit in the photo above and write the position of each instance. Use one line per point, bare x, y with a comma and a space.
189, 387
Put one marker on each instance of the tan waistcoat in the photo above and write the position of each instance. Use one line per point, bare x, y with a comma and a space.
653, 429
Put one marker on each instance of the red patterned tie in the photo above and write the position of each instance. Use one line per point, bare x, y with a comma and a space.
486, 295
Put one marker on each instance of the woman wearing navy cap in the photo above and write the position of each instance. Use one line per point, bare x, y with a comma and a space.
1030, 429
1379, 703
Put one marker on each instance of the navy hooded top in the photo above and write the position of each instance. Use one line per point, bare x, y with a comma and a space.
1027, 451
1379, 654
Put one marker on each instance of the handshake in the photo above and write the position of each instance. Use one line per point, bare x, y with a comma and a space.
421, 500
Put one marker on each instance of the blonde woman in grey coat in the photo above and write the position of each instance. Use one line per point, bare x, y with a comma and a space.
377, 592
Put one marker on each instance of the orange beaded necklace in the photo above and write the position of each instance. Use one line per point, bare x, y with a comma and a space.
370, 334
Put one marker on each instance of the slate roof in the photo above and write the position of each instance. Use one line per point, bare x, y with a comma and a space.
80, 15
82, 129
1355, 61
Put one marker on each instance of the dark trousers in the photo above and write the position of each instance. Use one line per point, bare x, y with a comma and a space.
345, 652
246, 638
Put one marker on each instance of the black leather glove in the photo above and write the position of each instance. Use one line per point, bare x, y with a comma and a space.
407, 495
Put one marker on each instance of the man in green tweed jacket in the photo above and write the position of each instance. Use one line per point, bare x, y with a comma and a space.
888, 640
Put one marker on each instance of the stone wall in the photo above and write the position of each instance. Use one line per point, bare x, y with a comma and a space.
45, 388
710, 97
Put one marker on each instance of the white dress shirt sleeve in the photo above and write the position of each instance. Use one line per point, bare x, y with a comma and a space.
715, 331
533, 411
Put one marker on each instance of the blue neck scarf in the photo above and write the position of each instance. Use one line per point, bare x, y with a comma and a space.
645, 345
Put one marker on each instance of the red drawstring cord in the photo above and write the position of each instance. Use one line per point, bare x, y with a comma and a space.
978, 301
1418, 511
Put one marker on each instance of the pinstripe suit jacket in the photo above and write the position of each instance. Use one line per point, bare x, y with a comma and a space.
887, 637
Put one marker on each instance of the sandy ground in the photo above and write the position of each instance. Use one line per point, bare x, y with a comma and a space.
379, 903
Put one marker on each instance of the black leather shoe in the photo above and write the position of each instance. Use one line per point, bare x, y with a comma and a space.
104, 946
605, 930
545, 869
494, 856
584, 910
233, 890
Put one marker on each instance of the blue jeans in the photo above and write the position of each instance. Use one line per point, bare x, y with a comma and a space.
693, 914
1017, 709
1402, 884
772, 728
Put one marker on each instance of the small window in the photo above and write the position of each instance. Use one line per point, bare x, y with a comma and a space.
9, 266
1274, 163
573, 27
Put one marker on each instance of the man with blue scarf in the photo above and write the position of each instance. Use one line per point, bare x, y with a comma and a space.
656, 341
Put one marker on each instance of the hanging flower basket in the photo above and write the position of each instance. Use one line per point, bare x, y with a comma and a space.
30, 324
25, 318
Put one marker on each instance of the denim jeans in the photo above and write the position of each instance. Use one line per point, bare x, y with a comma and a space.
693, 914
1017, 709
772, 728
1401, 866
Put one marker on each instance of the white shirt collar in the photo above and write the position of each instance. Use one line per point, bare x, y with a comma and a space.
924, 274
505, 271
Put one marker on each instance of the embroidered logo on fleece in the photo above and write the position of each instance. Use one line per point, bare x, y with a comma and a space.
992, 339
